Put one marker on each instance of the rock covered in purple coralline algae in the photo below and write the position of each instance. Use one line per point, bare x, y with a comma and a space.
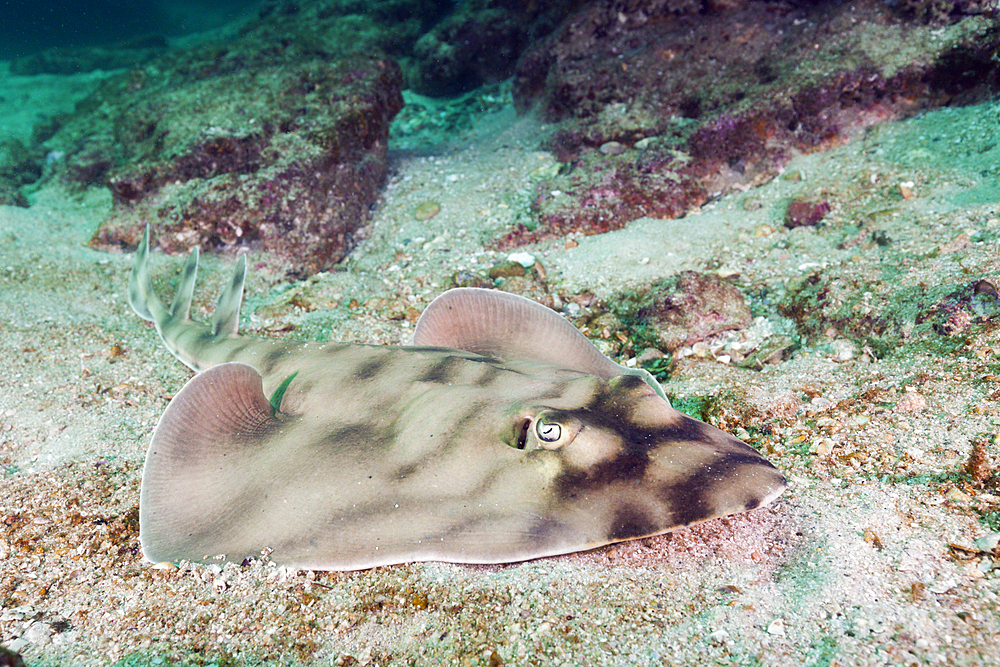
287, 159
956, 312
690, 307
653, 67
807, 212
886, 313
739, 89
604, 192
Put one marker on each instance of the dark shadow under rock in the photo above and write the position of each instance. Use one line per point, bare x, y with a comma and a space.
18, 165
10, 195
61, 60
480, 43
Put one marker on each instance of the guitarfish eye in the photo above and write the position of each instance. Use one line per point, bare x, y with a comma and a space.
548, 431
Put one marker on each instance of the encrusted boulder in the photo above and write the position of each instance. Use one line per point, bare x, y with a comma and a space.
682, 309
287, 159
735, 88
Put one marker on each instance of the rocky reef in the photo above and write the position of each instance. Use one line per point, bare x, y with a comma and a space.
276, 138
284, 158
660, 106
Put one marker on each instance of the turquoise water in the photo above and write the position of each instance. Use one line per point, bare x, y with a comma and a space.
30, 27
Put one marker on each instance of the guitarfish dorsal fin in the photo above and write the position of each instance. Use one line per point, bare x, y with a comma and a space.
510, 326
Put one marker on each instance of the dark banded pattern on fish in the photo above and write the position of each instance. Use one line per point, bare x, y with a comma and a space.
501, 435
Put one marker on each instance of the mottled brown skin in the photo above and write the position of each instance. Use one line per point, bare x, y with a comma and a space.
383, 455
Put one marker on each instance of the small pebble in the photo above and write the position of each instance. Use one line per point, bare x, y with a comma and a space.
943, 586
719, 635
956, 496
612, 148
164, 565
843, 350
823, 447
525, 259
427, 210
546, 172
777, 628
701, 350
983, 288
806, 212
506, 269
988, 542
912, 401
38, 633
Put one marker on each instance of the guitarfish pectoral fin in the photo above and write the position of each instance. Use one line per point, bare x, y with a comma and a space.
195, 480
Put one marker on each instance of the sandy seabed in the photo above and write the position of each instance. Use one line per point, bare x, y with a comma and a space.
855, 565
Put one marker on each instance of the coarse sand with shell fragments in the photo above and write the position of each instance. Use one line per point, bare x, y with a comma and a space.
880, 408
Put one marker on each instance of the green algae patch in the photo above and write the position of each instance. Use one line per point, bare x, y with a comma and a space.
887, 314
681, 310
